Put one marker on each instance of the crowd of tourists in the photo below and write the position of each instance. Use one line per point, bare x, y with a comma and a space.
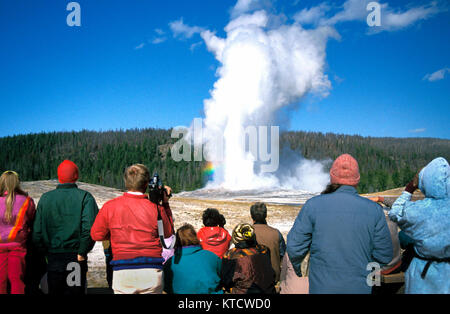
336, 236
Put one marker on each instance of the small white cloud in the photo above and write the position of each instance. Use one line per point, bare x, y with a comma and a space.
140, 46
195, 45
436, 76
242, 6
353, 10
159, 31
247, 6
356, 10
397, 20
338, 79
312, 15
179, 29
158, 40
420, 130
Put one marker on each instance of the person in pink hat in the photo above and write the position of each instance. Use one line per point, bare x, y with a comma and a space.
346, 235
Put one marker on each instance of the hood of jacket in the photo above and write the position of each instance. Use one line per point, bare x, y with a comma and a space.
214, 235
434, 179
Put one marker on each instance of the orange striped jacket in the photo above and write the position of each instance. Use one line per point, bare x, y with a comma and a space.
18, 230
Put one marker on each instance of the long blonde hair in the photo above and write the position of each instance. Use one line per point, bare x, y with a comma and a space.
10, 184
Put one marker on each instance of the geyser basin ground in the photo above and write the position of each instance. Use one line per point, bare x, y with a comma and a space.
269, 196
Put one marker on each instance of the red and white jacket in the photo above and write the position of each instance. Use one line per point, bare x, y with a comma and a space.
214, 239
130, 223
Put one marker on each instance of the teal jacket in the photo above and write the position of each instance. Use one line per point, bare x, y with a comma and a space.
427, 223
192, 270
64, 218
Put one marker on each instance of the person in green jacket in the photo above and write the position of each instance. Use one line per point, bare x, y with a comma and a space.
61, 230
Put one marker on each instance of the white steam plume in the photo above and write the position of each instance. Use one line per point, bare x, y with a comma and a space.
264, 68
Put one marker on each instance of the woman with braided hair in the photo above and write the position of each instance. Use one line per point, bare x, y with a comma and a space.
247, 269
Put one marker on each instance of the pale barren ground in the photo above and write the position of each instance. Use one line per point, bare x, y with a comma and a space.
185, 210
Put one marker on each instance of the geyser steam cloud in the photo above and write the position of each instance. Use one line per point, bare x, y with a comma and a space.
265, 66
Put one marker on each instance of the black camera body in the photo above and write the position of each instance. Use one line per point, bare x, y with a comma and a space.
157, 190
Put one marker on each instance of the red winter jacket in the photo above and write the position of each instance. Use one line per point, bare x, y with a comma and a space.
214, 239
130, 223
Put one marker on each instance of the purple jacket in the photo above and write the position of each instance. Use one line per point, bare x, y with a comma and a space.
23, 214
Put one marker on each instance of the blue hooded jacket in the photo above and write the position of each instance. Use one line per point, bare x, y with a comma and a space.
427, 222
344, 233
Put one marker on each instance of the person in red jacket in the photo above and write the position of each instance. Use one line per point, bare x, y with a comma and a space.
213, 237
130, 223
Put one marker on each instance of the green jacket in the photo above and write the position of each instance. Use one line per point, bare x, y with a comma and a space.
64, 218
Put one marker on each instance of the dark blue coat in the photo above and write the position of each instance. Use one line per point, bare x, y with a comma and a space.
344, 232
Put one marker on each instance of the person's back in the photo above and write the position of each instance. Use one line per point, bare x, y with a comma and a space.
268, 236
343, 241
130, 222
61, 230
426, 223
213, 236
17, 231
344, 233
132, 227
17, 211
214, 239
290, 283
192, 270
246, 269
60, 216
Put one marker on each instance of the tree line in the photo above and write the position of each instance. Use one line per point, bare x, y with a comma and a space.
102, 156
385, 163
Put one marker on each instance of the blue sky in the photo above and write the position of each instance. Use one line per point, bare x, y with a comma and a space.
124, 68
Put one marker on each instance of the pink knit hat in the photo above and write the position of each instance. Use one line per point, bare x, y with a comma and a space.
345, 171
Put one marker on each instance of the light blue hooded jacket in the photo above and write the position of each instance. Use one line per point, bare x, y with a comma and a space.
427, 222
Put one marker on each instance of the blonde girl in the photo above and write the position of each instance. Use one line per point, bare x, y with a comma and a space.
17, 211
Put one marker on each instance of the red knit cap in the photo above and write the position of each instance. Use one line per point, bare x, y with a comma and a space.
345, 171
67, 172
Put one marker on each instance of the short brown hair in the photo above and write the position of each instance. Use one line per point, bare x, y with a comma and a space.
136, 178
186, 235
258, 211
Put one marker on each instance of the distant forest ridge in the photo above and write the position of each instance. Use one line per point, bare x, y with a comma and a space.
384, 163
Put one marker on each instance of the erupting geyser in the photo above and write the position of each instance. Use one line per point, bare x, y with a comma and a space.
265, 66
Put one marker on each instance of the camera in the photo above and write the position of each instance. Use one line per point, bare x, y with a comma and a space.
157, 190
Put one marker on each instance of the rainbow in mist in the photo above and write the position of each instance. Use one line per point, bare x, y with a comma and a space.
209, 170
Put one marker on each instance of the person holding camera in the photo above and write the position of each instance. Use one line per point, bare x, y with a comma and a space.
130, 222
